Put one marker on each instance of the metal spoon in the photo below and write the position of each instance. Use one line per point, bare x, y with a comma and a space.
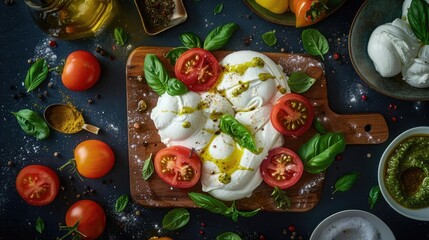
72, 113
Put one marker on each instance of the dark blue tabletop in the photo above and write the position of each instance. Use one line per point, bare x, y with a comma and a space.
21, 39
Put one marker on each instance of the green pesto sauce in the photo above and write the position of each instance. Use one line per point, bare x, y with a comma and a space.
407, 172
241, 68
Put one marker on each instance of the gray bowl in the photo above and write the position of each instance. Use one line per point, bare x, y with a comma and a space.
372, 14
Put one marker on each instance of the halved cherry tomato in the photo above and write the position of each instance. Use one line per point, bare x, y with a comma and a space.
92, 159
292, 115
198, 69
38, 185
308, 12
178, 166
282, 168
81, 71
91, 217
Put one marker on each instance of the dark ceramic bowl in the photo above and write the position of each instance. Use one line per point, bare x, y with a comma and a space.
287, 18
372, 14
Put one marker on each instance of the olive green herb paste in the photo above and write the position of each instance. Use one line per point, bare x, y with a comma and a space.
407, 172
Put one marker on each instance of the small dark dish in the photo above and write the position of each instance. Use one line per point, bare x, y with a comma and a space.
372, 14
178, 16
287, 18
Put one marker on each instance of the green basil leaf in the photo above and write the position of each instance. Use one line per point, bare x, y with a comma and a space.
121, 203
314, 42
207, 202
218, 9
175, 219
270, 38
121, 36
148, 168
249, 214
317, 124
32, 123
346, 181
374, 195
175, 53
176, 87
280, 198
190, 40
155, 74
418, 17
300, 82
219, 36
228, 236
318, 153
40, 225
229, 125
36, 74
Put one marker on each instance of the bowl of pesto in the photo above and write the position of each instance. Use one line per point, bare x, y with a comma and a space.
403, 173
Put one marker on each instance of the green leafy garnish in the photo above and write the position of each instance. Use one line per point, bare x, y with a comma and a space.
32, 123
228, 236
300, 82
175, 219
318, 153
175, 53
216, 206
418, 17
280, 198
270, 38
37, 73
121, 203
190, 40
158, 79
219, 36
374, 194
314, 42
231, 126
121, 36
148, 168
346, 181
218, 9
72, 231
40, 225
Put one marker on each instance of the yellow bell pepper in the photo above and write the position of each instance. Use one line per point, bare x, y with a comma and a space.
275, 6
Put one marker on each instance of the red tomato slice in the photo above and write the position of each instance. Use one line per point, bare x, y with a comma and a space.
178, 166
292, 115
282, 168
308, 12
38, 185
198, 69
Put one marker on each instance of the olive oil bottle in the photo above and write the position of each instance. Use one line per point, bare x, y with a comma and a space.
71, 19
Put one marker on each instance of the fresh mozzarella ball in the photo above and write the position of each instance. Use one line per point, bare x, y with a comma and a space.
417, 74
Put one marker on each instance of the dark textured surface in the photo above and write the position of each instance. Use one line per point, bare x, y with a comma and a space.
20, 40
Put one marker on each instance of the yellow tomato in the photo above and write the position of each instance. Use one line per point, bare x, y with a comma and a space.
275, 6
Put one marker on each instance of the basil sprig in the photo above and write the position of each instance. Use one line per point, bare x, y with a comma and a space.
270, 38
121, 203
300, 82
120, 35
32, 123
37, 73
318, 153
216, 206
228, 236
40, 225
231, 126
158, 79
215, 40
374, 195
218, 9
175, 219
314, 42
280, 198
418, 17
148, 168
345, 182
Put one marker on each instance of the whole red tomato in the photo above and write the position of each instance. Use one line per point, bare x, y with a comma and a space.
91, 217
38, 185
81, 71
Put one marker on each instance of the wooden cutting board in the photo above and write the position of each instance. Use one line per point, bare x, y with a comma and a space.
144, 140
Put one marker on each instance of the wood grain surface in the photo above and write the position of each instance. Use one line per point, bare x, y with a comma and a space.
143, 138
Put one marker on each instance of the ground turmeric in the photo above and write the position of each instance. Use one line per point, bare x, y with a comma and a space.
65, 118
